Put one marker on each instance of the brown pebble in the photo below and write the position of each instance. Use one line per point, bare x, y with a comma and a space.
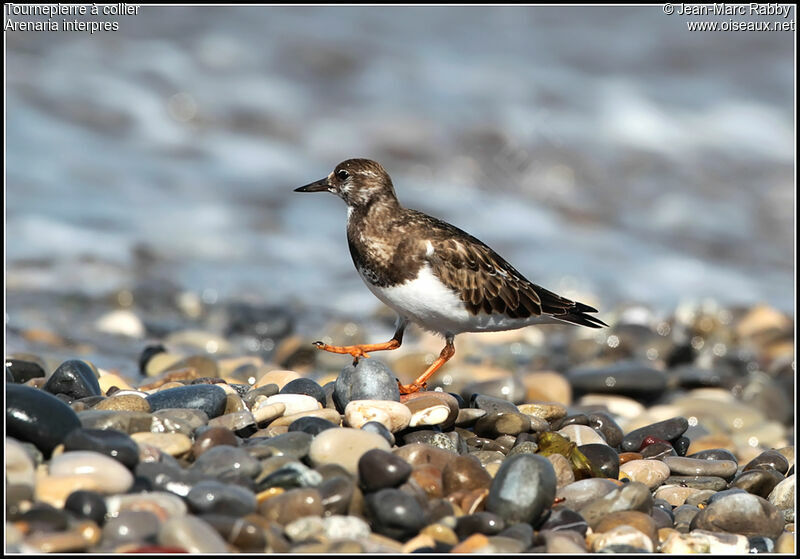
421, 453
464, 473
211, 437
628, 456
125, 402
639, 520
291, 505
429, 478
471, 544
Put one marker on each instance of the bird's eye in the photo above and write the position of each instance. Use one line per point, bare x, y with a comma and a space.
342, 174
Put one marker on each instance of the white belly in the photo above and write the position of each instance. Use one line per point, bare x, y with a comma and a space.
428, 302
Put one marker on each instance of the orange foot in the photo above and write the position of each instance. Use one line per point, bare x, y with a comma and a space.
356, 351
410, 388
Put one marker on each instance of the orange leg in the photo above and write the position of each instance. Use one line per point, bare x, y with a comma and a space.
419, 384
361, 350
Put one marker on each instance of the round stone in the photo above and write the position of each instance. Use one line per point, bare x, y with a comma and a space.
681, 465
379, 429
192, 534
782, 496
211, 496
768, 459
22, 371
131, 526
563, 518
497, 423
395, 514
562, 468
418, 454
491, 403
279, 378
522, 489
631, 496
295, 403
208, 398
311, 425
579, 493
211, 437
344, 446
370, 379
639, 520
307, 387
428, 410
392, 415
87, 504
108, 475
380, 469
291, 505
174, 444
714, 454
124, 402
760, 481
607, 427
668, 430
464, 473
650, 472
741, 513
486, 523
38, 417
119, 446
75, 379
225, 462
603, 459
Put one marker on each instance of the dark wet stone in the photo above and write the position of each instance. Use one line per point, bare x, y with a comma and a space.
220, 498
22, 371
768, 459
147, 354
124, 421
464, 473
658, 451
378, 469
305, 386
680, 465
606, 426
522, 489
495, 424
681, 445
623, 548
223, 461
290, 475
294, 444
698, 482
395, 514
205, 397
521, 532
626, 378
211, 437
116, 444
486, 523
491, 404
311, 425
336, 494
38, 417
87, 504
667, 430
370, 379
572, 419
74, 378
380, 429
759, 482
241, 533
714, 454
603, 459
760, 544
563, 518
740, 513
42, 517
132, 526
725, 493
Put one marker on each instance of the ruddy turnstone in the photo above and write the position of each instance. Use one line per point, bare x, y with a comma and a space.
433, 273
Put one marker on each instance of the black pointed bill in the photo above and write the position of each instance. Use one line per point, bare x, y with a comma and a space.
318, 186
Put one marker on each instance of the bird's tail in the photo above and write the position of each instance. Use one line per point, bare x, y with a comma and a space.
576, 314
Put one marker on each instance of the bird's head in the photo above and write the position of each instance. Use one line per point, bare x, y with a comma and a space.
359, 182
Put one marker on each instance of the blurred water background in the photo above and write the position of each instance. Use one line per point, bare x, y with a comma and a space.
607, 152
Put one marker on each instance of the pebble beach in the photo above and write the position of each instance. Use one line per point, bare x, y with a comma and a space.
670, 434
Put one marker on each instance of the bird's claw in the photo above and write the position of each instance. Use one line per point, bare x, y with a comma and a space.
411, 388
355, 351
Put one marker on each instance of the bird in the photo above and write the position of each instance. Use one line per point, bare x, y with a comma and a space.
432, 273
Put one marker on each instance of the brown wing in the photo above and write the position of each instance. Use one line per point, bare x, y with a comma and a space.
487, 283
